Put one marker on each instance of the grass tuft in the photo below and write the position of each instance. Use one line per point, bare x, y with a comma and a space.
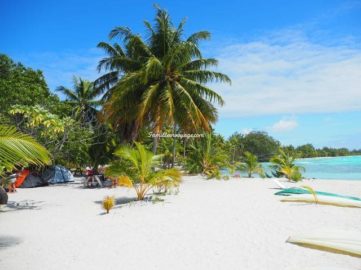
108, 203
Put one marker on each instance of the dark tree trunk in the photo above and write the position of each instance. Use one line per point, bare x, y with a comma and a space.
184, 147
155, 144
174, 145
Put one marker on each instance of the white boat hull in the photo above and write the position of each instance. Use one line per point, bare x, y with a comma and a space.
322, 199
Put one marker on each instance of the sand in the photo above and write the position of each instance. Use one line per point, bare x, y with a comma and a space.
209, 224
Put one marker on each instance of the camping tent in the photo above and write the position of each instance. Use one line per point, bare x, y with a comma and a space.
57, 174
33, 180
52, 175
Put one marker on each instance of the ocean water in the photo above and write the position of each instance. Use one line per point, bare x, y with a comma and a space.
348, 167
342, 168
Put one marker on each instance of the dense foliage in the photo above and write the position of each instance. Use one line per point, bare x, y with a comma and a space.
309, 151
22, 85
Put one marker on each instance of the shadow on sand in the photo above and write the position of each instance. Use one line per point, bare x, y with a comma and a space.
8, 241
22, 205
132, 201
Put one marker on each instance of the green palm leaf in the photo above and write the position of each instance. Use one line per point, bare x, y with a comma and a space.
20, 149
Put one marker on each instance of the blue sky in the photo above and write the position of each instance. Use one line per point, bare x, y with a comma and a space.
295, 65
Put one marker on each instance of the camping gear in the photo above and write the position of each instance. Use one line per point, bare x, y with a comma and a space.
344, 242
21, 177
296, 190
322, 199
57, 174
34, 179
51, 175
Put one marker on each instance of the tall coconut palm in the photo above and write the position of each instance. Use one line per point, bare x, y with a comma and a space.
163, 80
18, 149
84, 99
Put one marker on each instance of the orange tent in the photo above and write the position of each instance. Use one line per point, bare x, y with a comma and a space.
20, 179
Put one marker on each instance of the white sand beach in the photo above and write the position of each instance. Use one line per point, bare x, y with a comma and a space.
209, 224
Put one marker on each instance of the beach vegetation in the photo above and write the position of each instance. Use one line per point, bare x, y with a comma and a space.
23, 86
251, 165
83, 98
283, 165
124, 181
108, 203
207, 157
143, 170
17, 150
64, 137
260, 144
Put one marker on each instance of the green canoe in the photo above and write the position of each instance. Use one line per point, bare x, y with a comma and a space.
297, 190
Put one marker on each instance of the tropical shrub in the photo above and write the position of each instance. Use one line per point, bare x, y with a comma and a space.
64, 137
251, 165
108, 203
206, 157
283, 164
142, 169
124, 181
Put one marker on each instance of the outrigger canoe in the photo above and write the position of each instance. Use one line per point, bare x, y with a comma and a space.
348, 243
322, 199
297, 190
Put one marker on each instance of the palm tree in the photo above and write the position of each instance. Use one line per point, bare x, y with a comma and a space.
251, 165
139, 165
283, 164
83, 97
206, 158
18, 149
160, 82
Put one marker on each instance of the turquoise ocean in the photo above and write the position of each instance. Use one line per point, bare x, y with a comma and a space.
347, 167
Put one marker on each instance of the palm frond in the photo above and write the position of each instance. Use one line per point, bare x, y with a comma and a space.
20, 149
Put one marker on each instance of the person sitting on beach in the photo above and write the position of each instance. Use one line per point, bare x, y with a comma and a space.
89, 173
12, 178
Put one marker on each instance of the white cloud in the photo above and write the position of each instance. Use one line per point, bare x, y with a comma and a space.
289, 76
246, 131
284, 125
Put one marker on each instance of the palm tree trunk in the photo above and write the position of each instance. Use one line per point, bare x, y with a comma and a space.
156, 131
174, 145
184, 147
155, 145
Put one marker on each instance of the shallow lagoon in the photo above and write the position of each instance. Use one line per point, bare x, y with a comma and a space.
342, 168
